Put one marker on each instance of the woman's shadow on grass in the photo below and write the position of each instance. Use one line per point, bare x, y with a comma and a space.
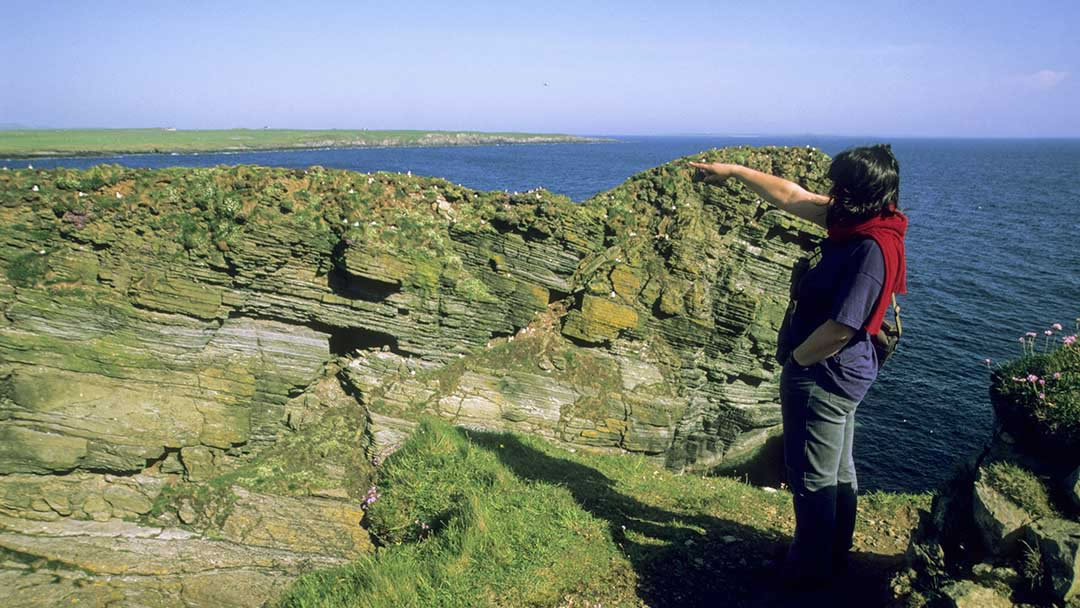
680, 559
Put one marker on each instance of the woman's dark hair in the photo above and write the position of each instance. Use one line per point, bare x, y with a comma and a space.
866, 183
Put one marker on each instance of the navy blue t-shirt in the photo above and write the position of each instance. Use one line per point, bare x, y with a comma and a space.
844, 286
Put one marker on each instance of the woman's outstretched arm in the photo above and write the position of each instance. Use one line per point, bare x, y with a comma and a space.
782, 193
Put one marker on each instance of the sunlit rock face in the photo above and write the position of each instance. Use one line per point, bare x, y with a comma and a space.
184, 348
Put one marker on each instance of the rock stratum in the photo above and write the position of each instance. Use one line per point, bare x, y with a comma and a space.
200, 368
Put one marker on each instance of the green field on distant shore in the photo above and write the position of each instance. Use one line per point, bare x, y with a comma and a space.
94, 142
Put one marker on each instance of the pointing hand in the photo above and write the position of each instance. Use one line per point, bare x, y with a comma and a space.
715, 173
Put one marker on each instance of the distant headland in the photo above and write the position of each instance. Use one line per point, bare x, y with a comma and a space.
38, 143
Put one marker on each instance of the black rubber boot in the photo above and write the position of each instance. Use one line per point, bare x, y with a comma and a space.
809, 562
847, 502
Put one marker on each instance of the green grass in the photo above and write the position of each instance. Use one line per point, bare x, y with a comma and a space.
459, 528
27, 269
91, 142
1022, 487
467, 518
1031, 566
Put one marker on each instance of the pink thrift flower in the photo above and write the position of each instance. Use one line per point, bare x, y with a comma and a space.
1042, 395
1069, 340
1042, 381
1057, 375
1032, 378
372, 496
1056, 326
1048, 332
1030, 334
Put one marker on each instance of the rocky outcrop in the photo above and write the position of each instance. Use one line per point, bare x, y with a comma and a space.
998, 518
1001, 531
1072, 487
1057, 543
966, 594
220, 355
79, 562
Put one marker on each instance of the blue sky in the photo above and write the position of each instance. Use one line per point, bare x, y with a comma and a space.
843, 68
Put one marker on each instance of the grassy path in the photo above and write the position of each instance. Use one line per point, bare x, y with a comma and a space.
488, 519
32, 143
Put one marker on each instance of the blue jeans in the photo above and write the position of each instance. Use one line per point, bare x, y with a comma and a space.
819, 429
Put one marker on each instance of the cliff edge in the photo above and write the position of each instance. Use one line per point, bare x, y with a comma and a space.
199, 367
1005, 530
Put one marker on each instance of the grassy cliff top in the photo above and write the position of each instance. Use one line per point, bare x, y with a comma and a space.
32, 143
471, 518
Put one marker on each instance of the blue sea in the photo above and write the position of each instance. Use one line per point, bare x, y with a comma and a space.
992, 254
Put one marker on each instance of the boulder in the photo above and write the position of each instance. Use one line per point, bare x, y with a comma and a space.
966, 594
75, 562
1072, 487
198, 463
1058, 544
1003, 579
999, 520
302, 525
925, 554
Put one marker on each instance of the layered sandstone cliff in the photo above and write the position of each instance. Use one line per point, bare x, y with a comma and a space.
200, 367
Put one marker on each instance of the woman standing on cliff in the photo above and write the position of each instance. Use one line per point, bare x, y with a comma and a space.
841, 304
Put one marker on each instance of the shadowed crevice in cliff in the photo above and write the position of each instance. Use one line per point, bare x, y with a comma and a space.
167, 453
348, 285
230, 266
785, 234
341, 340
555, 295
353, 287
658, 311
506, 333
348, 340
764, 467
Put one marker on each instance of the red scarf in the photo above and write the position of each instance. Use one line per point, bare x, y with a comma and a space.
888, 232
